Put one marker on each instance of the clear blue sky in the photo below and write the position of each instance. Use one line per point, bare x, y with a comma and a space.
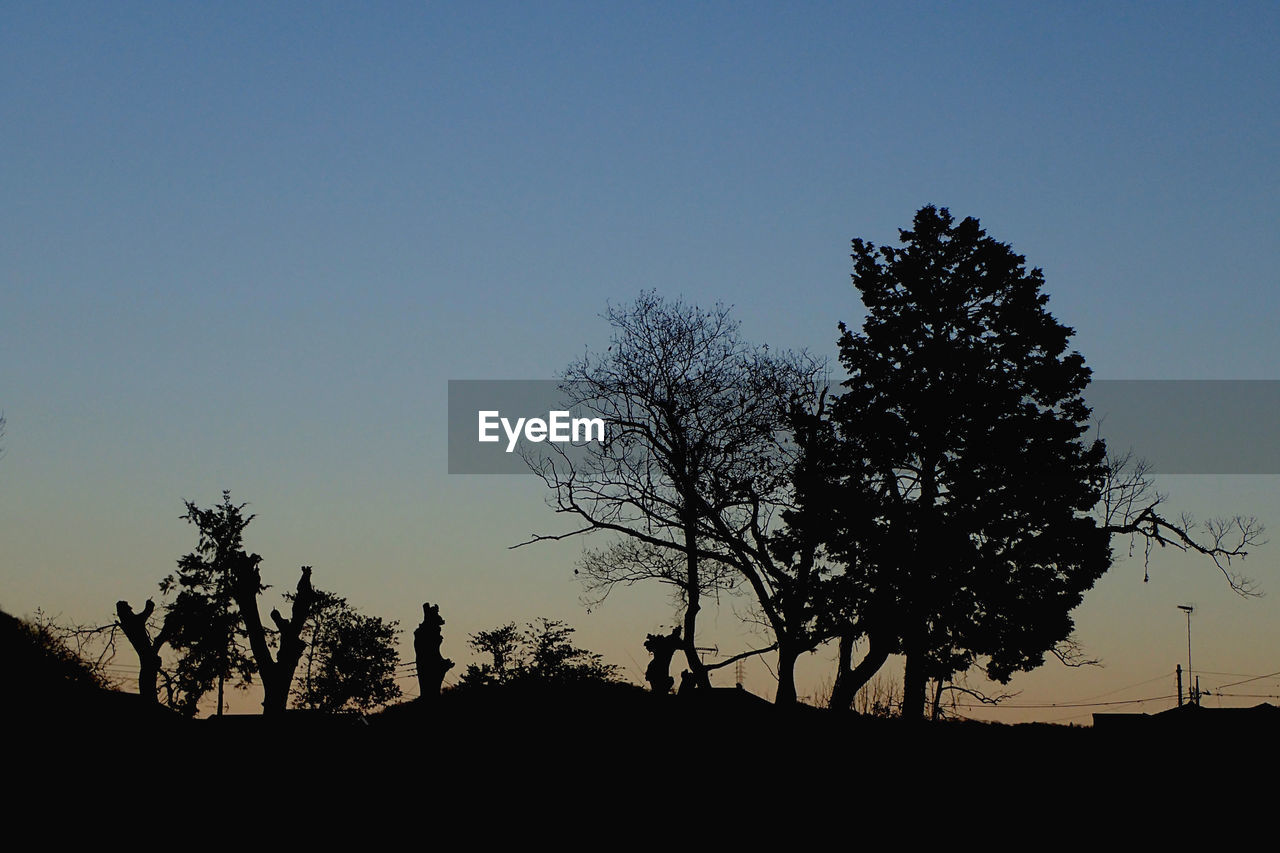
246, 247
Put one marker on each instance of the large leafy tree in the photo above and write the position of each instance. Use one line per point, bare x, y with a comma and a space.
963, 420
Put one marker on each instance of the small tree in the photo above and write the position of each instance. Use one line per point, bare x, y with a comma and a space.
554, 660
205, 625
541, 654
350, 660
503, 646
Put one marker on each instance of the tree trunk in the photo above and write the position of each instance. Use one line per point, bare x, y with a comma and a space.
788, 653
276, 674
694, 593
850, 679
937, 699
920, 588
914, 681
134, 626
662, 647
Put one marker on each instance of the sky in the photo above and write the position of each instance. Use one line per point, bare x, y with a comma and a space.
247, 247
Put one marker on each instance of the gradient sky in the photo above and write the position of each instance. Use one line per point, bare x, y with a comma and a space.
247, 247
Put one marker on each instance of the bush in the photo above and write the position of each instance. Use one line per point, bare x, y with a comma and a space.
542, 654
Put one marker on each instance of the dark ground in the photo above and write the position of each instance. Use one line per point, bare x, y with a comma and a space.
603, 759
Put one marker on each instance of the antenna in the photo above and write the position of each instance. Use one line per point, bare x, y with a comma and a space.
1195, 689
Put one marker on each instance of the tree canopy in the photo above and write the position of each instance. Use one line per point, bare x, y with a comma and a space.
964, 422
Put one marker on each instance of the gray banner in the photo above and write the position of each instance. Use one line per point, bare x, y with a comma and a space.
1180, 426
1192, 426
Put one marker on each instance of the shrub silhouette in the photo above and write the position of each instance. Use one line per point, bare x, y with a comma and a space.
540, 655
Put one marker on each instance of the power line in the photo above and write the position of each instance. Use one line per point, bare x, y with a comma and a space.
1247, 680
1003, 705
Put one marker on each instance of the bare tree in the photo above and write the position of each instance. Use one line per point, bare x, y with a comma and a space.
693, 455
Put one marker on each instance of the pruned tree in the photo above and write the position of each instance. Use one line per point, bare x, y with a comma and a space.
430, 664
137, 630
663, 647
692, 458
276, 671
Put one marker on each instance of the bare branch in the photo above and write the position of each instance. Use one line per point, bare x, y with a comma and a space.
1071, 653
980, 696
742, 656
1130, 506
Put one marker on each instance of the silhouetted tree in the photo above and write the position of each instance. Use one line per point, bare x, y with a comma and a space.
137, 631
503, 646
553, 659
213, 622
963, 407
276, 671
850, 678
541, 654
779, 550
206, 630
349, 661
692, 415
430, 664
662, 647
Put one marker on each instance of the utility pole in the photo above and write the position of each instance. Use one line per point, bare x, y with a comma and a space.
1177, 671
1195, 691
